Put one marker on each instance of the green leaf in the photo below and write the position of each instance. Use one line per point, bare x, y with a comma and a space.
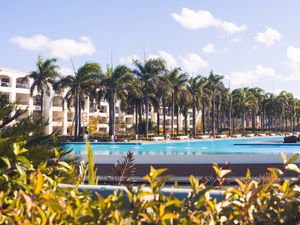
248, 174
7, 162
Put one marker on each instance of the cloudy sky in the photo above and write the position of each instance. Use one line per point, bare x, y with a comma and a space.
251, 43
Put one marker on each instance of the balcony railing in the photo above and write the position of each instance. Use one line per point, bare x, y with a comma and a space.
38, 103
22, 85
5, 84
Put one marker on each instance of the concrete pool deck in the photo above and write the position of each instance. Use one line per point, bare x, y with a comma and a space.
193, 159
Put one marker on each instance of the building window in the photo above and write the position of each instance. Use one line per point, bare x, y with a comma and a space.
5, 82
103, 109
22, 83
37, 100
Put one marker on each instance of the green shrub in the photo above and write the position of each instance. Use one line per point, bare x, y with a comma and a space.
32, 195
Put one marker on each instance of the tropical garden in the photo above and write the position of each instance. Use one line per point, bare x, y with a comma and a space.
150, 87
40, 181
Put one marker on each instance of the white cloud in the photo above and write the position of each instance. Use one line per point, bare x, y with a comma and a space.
251, 77
170, 60
209, 48
192, 63
66, 71
129, 59
60, 48
269, 37
189, 63
195, 20
293, 54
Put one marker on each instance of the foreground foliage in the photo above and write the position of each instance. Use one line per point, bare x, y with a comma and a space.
32, 195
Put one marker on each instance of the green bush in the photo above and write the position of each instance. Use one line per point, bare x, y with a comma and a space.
32, 195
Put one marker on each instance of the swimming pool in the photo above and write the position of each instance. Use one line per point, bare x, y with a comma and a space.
194, 147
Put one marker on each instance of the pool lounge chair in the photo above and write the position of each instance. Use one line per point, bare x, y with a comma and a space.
183, 137
250, 135
221, 136
157, 138
204, 136
236, 135
272, 134
262, 135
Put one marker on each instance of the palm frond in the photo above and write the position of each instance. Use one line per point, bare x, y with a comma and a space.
125, 168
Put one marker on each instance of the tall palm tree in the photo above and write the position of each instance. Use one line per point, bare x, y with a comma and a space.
147, 72
159, 94
78, 87
134, 98
196, 86
288, 105
177, 83
215, 84
258, 95
274, 110
206, 102
185, 102
243, 99
43, 77
113, 86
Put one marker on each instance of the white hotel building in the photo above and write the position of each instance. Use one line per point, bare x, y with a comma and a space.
17, 89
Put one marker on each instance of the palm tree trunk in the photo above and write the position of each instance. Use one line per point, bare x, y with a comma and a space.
229, 119
164, 116
203, 118
286, 120
112, 114
147, 114
177, 123
136, 119
253, 121
213, 115
42, 103
158, 120
243, 121
194, 117
140, 113
79, 118
233, 124
185, 123
172, 115
76, 119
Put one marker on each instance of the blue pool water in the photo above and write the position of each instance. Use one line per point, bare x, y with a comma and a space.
195, 147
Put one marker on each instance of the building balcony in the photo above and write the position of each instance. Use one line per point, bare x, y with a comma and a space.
22, 85
5, 84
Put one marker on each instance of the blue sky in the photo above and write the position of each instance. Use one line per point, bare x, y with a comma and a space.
252, 43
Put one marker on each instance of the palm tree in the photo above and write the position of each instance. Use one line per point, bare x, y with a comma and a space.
195, 87
185, 102
147, 72
288, 105
215, 84
258, 95
177, 82
77, 87
43, 78
113, 86
206, 101
159, 94
134, 98
243, 99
